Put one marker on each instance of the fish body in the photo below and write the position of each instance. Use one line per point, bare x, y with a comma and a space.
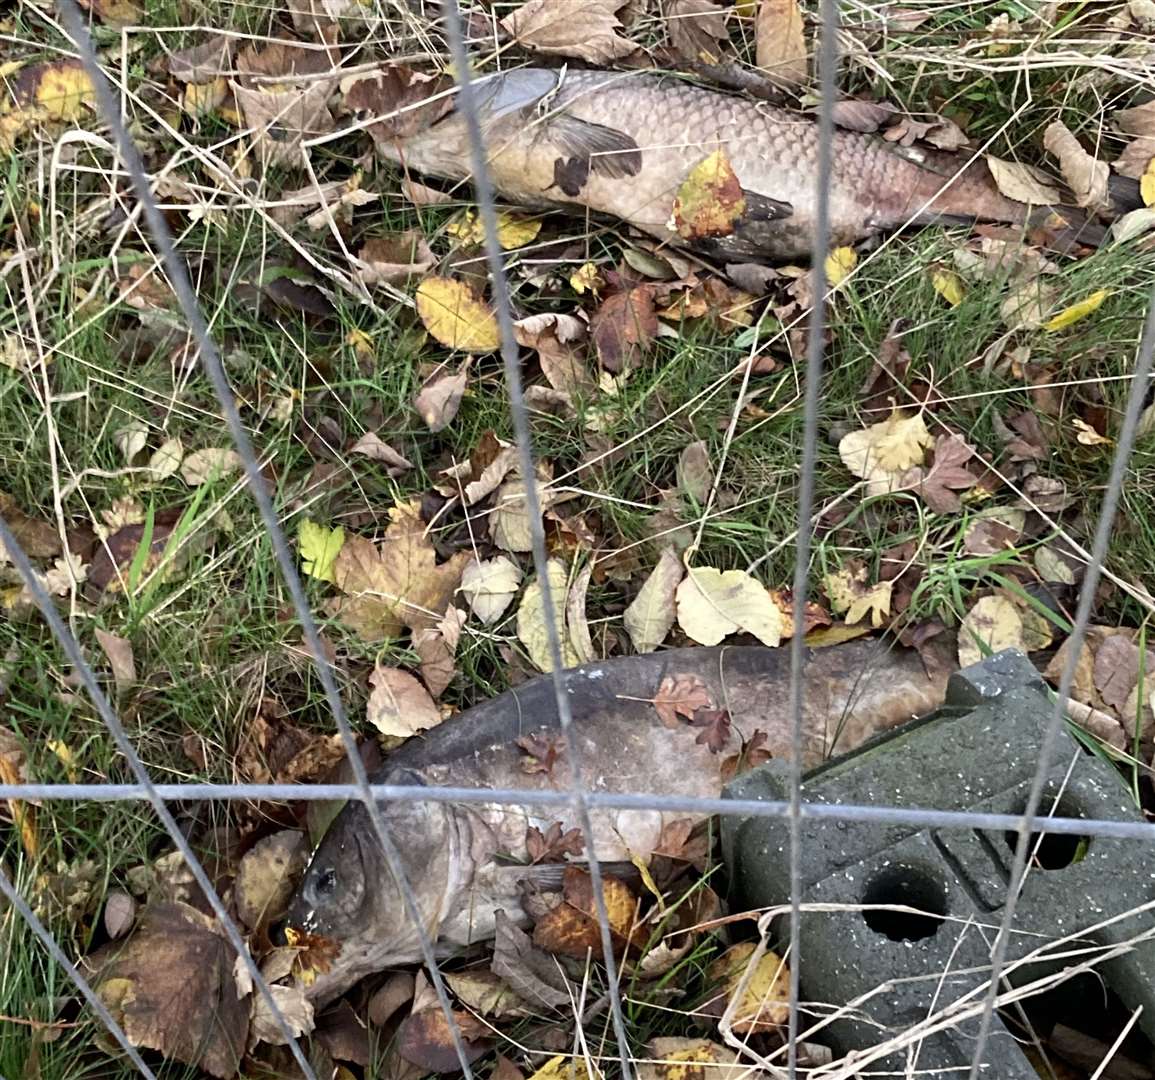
466, 861
622, 143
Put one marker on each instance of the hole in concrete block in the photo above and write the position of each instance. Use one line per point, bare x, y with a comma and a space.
1054, 850
909, 886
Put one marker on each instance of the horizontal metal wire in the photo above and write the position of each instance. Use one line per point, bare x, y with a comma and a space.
597, 800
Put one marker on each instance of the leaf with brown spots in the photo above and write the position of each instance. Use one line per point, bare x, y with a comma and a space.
572, 929
623, 327
681, 695
425, 1040
402, 101
710, 200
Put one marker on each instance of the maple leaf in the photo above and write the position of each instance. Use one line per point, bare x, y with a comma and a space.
938, 484
553, 845
681, 695
542, 754
715, 725
752, 754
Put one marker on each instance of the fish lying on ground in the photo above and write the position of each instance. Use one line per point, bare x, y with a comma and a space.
463, 859
622, 143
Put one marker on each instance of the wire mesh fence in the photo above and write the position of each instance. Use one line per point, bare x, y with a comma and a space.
1026, 826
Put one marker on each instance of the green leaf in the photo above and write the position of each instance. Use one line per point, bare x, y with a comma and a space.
319, 548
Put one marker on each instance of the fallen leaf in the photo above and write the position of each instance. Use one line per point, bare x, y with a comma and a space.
1023, 183
1077, 311
170, 986
572, 928
119, 914
713, 604
882, 453
861, 114
39, 539
372, 446
213, 463
937, 486
319, 547
691, 1059
710, 200
651, 614
120, 659
513, 230
1085, 176
401, 102
266, 876
948, 285
838, 265
681, 695
694, 474
166, 461
292, 1006
398, 704
553, 845
780, 43
576, 621
623, 327
562, 1067
424, 1039
487, 994
439, 399
131, 440
202, 63
556, 338
489, 586
436, 649
940, 132
396, 992
1147, 184
504, 1069
697, 29
993, 622
1135, 158
765, 1003
529, 972
532, 629
997, 530
1087, 435
456, 316
584, 29
57, 91
204, 99
394, 257
1026, 304
510, 527
1053, 567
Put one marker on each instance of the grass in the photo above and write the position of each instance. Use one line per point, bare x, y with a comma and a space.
212, 641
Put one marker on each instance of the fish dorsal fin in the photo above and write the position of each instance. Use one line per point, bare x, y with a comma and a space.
515, 91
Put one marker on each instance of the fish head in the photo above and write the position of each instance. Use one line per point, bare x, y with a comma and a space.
352, 897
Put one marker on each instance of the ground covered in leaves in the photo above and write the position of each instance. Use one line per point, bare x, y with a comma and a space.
973, 393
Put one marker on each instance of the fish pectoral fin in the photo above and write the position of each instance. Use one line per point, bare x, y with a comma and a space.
764, 208
603, 150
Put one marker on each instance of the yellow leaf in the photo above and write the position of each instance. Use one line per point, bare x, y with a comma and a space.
949, 286
63, 89
532, 629
561, 1067
361, 343
839, 263
710, 200
993, 624
201, 99
875, 602
713, 604
883, 452
1077, 311
456, 316
513, 230
1087, 435
319, 549
849, 593
586, 279
826, 636
67, 758
1147, 184
765, 1002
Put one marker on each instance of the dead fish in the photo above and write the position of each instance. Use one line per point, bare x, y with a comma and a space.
622, 143
466, 861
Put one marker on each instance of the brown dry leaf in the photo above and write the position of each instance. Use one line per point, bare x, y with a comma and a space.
394, 257
439, 399
938, 485
398, 704
623, 327
883, 453
396, 991
710, 200
765, 1003
39, 539
697, 29
1085, 176
171, 987
1136, 158
372, 446
572, 929
1023, 183
529, 972
557, 340
212, 463
120, 659
681, 695
581, 28
993, 624
399, 584
119, 914
940, 132
995, 531
510, 527
487, 994
203, 63
114, 12
780, 43
292, 1006
266, 876
713, 604
651, 614
425, 1040
456, 316
691, 1059
553, 845
1116, 671
862, 115
401, 100
1138, 120
532, 629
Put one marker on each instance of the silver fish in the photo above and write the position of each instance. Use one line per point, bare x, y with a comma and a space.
622, 143
466, 861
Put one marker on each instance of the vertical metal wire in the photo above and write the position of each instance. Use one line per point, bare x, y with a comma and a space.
210, 359
827, 63
483, 189
57, 953
1135, 397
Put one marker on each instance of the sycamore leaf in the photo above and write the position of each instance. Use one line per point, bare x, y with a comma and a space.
1077, 311
456, 316
710, 200
581, 28
838, 265
714, 603
938, 484
398, 704
780, 43
993, 624
532, 629
882, 453
652, 612
319, 548
489, 587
